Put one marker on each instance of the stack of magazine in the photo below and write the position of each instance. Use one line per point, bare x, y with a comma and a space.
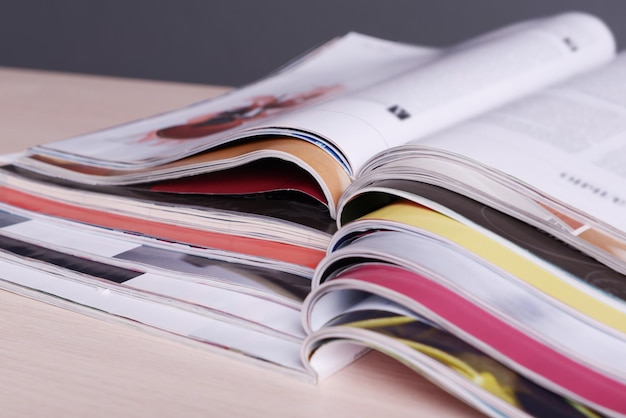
462, 210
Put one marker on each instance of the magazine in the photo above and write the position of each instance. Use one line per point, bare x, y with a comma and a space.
351, 98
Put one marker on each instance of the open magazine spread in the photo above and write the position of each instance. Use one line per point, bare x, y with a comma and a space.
458, 209
353, 97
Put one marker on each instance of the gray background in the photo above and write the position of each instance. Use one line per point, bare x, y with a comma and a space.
234, 42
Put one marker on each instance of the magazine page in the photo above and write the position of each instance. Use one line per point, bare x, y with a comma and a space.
332, 69
573, 135
464, 81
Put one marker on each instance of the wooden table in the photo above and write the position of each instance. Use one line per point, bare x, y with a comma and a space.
55, 362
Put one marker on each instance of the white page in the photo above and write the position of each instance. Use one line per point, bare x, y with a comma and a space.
569, 142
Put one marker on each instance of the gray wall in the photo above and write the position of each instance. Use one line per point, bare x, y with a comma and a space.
236, 41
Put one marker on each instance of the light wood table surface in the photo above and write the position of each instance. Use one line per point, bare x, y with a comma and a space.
57, 363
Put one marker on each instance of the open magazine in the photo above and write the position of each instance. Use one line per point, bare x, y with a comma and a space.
351, 98
215, 224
